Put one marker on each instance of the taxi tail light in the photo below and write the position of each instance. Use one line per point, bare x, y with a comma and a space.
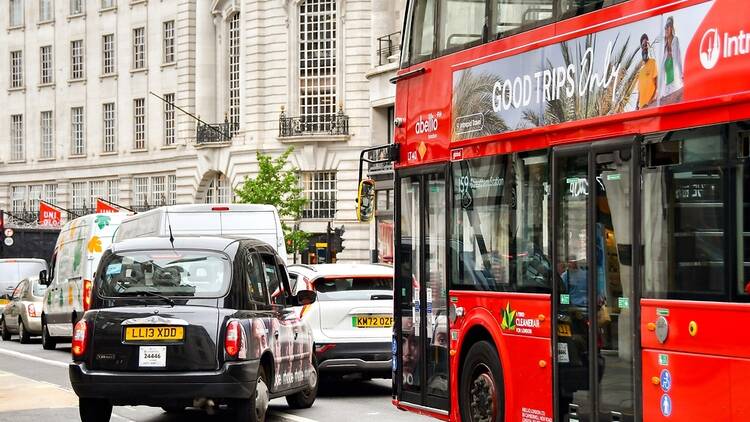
31, 310
80, 339
87, 284
233, 340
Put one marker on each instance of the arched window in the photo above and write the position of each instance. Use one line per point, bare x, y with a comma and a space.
317, 61
234, 71
217, 191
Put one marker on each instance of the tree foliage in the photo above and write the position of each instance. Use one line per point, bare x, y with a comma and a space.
277, 184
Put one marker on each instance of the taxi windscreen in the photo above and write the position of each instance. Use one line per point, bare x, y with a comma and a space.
167, 273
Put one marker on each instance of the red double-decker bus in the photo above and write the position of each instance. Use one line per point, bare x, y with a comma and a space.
572, 210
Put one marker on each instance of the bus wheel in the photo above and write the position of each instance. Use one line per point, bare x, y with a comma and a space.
481, 389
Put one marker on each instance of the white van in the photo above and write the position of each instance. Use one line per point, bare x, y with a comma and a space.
236, 220
74, 260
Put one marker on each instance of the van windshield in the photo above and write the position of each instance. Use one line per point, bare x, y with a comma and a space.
15, 271
169, 273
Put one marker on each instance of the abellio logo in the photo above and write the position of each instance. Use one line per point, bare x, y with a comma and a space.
710, 49
428, 125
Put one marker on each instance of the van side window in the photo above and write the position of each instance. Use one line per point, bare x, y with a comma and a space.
256, 283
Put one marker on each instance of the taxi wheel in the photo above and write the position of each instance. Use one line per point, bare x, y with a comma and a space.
48, 343
481, 385
306, 398
94, 410
6, 333
255, 408
23, 335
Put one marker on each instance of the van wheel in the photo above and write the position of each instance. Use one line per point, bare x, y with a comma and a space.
94, 410
254, 409
481, 390
306, 398
23, 335
48, 342
5, 334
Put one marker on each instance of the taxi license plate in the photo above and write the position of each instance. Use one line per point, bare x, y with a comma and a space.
154, 333
372, 321
563, 330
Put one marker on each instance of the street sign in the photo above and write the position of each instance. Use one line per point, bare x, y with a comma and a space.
8, 241
8, 233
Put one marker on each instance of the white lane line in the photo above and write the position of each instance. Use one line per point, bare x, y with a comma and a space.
48, 362
286, 416
33, 358
294, 418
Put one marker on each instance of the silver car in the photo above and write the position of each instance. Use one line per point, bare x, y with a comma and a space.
23, 314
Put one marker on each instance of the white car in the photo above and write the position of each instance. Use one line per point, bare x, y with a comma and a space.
352, 319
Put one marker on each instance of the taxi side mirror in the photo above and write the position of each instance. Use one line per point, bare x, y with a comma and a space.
43, 280
304, 297
366, 200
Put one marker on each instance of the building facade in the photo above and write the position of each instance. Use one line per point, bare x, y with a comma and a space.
146, 103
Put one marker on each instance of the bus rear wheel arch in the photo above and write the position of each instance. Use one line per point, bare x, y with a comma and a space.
481, 388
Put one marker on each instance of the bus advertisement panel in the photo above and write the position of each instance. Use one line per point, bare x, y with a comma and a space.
572, 203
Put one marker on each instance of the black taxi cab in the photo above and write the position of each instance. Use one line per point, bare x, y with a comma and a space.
184, 322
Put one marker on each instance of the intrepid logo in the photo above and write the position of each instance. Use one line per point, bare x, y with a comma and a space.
427, 126
715, 46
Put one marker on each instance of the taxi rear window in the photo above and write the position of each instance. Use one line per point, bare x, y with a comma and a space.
168, 273
353, 288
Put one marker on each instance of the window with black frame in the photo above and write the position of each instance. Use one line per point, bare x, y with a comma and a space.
500, 224
695, 207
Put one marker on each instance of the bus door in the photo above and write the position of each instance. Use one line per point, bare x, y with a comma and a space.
421, 339
594, 293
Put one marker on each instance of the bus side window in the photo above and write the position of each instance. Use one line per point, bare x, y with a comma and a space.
462, 24
423, 30
512, 16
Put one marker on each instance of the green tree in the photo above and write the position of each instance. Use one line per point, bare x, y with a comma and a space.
277, 184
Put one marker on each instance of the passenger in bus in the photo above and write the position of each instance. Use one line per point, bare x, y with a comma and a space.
670, 81
648, 76
575, 280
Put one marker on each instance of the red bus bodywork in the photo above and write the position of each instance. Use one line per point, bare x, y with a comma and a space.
708, 352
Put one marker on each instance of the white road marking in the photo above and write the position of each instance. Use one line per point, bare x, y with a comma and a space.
289, 417
33, 358
285, 416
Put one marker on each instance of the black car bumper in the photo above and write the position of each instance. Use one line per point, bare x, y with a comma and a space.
235, 380
354, 357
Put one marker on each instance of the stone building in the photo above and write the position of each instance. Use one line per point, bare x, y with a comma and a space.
87, 87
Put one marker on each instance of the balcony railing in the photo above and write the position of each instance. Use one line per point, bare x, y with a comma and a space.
388, 45
319, 124
214, 133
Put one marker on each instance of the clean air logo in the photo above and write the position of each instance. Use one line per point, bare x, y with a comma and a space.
427, 126
710, 49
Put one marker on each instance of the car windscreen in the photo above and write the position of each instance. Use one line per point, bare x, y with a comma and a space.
354, 288
169, 273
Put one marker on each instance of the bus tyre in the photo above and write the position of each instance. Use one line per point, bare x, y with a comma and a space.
94, 410
6, 333
48, 342
481, 390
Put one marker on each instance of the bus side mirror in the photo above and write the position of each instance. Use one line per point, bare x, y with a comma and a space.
43, 278
366, 200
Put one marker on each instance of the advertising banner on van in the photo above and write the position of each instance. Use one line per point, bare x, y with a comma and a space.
693, 53
49, 215
104, 207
